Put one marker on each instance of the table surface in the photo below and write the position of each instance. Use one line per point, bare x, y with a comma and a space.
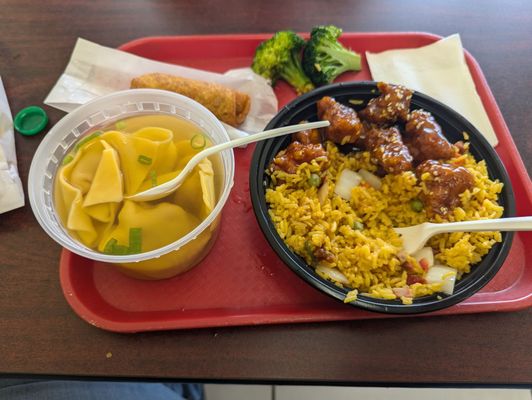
40, 334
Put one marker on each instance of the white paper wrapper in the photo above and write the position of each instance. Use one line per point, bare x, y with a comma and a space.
11, 194
96, 70
440, 71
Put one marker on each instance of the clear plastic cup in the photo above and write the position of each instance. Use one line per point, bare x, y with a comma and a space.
166, 261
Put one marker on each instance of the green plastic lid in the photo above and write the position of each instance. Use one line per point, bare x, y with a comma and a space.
31, 120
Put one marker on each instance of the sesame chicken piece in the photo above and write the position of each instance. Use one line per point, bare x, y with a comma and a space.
307, 136
296, 154
391, 106
424, 138
387, 149
345, 125
444, 184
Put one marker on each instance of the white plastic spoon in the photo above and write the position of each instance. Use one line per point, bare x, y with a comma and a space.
166, 188
415, 237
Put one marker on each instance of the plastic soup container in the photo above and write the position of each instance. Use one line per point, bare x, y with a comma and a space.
166, 261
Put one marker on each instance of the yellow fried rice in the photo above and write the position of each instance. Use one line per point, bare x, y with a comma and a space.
371, 257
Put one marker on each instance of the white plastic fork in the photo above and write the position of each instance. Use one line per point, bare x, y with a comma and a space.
415, 237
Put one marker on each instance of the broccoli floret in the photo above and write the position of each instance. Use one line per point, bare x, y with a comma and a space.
279, 58
325, 58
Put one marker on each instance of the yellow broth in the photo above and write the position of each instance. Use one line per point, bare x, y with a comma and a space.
127, 157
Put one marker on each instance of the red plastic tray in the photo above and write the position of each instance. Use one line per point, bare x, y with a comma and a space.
242, 281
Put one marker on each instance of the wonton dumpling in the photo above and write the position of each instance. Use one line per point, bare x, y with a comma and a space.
152, 144
77, 219
81, 170
184, 153
160, 224
94, 171
81, 223
198, 185
106, 185
133, 171
206, 174
105, 212
166, 154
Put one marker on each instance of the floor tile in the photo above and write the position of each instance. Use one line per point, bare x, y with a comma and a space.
351, 393
238, 392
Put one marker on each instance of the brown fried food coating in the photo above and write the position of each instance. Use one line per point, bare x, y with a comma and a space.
295, 154
387, 149
307, 136
424, 138
391, 106
345, 125
443, 186
323, 255
229, 106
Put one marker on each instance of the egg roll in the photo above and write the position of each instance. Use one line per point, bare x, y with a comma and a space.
228, 105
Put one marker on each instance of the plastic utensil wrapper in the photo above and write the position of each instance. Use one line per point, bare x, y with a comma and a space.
95, 70
11, 193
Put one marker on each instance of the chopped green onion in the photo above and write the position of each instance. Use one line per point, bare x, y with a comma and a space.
110, 246
153, 177
86, 139
198, 141
314, 180
144, 160
68, 158
120, 250
135, 244
120, 125
113, 248
356, 102
135, 240
416, 205
358, 226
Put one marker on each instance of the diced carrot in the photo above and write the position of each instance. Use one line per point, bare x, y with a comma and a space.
424, 263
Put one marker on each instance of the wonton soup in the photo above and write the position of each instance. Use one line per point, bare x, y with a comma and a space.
127, 157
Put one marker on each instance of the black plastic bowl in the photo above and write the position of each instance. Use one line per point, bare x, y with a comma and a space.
453, 124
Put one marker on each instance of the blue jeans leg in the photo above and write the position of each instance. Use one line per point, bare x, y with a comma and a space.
16, 389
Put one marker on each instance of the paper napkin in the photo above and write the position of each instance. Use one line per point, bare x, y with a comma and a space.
11, 193
438, 70
95, 70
